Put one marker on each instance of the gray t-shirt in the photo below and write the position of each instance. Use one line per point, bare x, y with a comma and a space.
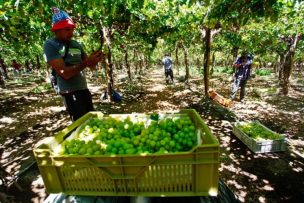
54, 49
167, 62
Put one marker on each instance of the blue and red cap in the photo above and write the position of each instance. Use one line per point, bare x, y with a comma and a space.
61, 20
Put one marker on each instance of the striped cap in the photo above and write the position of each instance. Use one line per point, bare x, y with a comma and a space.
61, 20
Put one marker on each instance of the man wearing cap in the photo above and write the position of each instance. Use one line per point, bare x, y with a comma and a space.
167, 63
68, 59
242, 74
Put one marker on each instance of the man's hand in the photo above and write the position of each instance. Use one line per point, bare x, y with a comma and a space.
92, 60
237, 65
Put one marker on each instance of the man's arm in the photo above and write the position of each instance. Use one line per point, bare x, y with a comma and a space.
171, 61
67, 72
237, 63
54, 59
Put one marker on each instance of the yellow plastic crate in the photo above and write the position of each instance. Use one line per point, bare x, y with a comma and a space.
193, 173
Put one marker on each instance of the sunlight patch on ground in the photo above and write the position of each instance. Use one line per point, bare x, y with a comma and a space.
212, 128
181, 93
184, 104
165, 104
42, 111
234, 159
235, 184
298, 169
56, 108
57, 123
251, 176
38, 188
225, 142
153, 95
248, 112
13, 167
241, 195
96, 89
225, 123
8, 92
230, 168
156, 87
20, 90
268, 188
45, 122
262, 199
32, 98
291, 113
38, 181
7, 120
36, 112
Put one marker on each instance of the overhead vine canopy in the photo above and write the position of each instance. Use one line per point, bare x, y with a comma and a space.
25, 25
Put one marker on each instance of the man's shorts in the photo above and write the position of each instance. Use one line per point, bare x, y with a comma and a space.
78, 103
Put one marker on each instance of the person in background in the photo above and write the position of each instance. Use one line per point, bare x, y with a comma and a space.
242, 74
3, 69
17, 67
168, 65
68, 60
28, 66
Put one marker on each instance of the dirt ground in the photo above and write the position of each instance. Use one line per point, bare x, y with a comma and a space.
26, 117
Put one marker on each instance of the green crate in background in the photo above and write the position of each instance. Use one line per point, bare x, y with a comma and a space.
192, 173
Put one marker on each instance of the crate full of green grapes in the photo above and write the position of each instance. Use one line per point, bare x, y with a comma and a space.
258, 138
170, 154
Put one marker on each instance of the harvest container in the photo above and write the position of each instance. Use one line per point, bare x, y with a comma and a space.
192, 173
259, 146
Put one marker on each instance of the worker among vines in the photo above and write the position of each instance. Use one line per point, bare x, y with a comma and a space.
68, 60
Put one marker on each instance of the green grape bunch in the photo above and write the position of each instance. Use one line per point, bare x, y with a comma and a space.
128, 136
258, 132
